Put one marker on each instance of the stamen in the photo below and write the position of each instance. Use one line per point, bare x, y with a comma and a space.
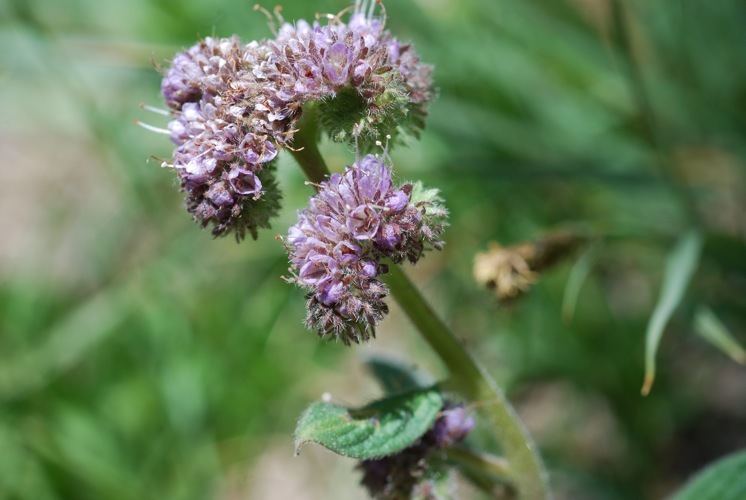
157, 66
279, 17
152, 128
380, 145
386, 155
338, 17
153, 109
383, 14
204, 152
163, 162
270, 19
288, 132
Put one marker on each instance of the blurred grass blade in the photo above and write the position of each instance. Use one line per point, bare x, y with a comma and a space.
67, 343
680, 266
578, 275
722, 480
710, 328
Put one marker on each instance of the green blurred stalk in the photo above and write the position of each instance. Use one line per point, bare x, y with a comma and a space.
651, 127
468, 378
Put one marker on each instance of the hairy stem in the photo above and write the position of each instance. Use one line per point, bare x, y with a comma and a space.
468, 378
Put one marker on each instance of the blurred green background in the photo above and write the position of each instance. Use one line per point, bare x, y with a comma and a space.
140, 358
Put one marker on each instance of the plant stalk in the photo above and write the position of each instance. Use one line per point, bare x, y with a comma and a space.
468, 378
305, 145
471, 381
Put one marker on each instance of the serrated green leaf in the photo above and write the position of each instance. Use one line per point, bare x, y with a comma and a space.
722, 480
680, 266
373, 431
430, 196
393, 376
710, 328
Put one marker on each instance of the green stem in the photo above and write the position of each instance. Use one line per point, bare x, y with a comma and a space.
488, 464
651, 129
468, 378
474, 384
487, 473
305, 145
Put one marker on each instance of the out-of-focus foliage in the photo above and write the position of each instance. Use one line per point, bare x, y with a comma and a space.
723, 480
140, 358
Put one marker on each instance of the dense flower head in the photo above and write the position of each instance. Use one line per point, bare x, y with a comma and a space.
224, 168
236, 105
396, 476
337, 248
368, 83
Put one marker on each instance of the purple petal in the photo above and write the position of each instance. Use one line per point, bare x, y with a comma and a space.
397, 201
363, 222
317, 269
337, 63
369, 269
388, 237
330, 294
245, 183
219, 194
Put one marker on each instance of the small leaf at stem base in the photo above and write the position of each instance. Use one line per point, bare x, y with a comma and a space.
376, 430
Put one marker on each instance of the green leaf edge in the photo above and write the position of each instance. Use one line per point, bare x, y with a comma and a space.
724, 479
394, 377
425, 422
708, 326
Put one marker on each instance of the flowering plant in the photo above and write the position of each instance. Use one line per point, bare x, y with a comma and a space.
233, 107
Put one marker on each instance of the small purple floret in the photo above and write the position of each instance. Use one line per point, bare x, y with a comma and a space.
453, 425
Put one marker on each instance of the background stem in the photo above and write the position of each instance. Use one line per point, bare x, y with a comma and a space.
652, 132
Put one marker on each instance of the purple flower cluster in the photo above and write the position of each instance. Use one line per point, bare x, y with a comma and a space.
235, 105
336, 249
396, 476
221, 165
